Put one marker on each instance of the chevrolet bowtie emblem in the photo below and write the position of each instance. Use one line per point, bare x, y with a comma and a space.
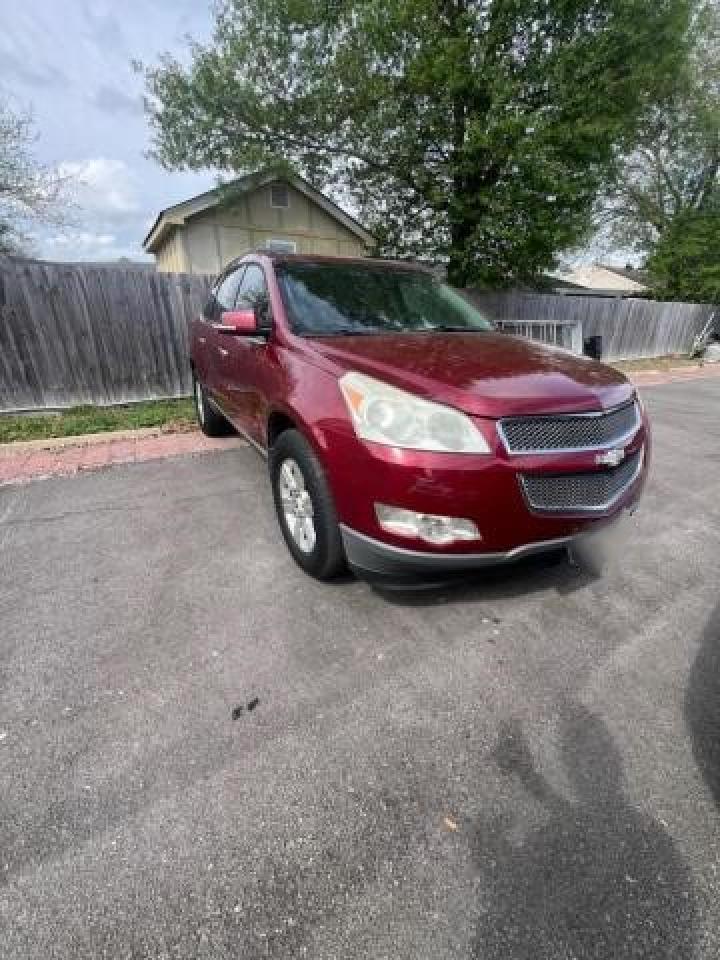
611, 458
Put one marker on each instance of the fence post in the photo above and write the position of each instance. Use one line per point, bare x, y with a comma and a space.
576, 337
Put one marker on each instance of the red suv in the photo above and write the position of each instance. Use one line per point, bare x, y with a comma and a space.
405, 435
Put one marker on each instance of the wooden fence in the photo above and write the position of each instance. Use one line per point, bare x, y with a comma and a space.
630, 328
73, 334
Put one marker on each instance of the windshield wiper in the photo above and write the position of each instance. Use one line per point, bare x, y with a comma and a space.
449, 328
347, 332
374, 331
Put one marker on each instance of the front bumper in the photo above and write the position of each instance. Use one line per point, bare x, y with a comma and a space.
514, 519
374, 560
488, 490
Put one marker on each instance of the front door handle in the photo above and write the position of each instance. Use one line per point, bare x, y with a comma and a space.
223, 352
201, 340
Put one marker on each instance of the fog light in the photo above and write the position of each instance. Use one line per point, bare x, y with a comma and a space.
425, 526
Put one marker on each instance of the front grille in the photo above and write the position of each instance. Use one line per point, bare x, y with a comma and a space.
581, 492
573, 431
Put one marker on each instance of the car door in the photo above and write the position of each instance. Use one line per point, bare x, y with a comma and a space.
223, 297
244, 360
201, 349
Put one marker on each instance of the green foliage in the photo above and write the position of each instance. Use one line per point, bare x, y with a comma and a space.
666, 201
672, 164
171, 414
685, 264
474, 130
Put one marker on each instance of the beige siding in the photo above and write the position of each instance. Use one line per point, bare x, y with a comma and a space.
170, 256
212, 238
201, 245
234, 242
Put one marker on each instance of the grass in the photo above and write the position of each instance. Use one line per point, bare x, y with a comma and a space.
172, 415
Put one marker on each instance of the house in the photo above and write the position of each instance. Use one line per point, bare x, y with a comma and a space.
263, 209
603, 279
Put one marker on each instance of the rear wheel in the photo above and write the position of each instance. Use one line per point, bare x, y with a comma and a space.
211, 422
305, 508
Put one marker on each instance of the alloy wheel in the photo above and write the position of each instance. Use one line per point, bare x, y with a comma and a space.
297, 506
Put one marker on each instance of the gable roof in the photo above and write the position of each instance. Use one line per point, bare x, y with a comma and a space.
629, 273
599, 276
177, 215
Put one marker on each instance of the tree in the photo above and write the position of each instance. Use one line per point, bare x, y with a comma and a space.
671, 172
28, 192
479, 131
685, 264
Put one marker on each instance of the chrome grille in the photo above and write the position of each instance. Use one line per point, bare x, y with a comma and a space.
573, 431
581, 492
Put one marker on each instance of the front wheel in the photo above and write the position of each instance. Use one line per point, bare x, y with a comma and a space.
305, 508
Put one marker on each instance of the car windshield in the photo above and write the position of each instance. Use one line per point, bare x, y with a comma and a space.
324, 299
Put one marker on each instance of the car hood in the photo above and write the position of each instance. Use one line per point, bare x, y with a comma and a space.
486, 374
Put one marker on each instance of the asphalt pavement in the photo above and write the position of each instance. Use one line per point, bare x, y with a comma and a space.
205, 754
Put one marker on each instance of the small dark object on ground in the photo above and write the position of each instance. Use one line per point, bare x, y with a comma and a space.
251, 704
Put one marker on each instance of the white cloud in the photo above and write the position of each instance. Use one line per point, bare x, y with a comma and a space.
82, 239
110, 209
71, 244
102, 186
104, 207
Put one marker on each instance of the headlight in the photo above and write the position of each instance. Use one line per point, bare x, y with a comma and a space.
383, 414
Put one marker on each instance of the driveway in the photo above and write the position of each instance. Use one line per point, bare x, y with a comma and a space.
205, 754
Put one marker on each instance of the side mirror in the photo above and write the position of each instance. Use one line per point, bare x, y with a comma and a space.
238, 322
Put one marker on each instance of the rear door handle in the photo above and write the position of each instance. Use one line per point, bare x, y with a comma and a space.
223, 352
201, 339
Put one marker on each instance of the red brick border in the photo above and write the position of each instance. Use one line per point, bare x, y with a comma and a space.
29, 461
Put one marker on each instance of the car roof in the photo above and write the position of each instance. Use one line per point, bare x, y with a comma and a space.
277, 257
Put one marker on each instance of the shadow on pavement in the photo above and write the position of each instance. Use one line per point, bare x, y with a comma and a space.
598, 879
550, 571
702, 705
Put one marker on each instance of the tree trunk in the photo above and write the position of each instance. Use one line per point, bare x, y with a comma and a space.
457, 265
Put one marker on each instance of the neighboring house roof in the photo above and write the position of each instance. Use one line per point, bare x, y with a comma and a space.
176, 215
598, 276
629, 273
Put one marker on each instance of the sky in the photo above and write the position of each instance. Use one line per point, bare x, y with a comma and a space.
70, 62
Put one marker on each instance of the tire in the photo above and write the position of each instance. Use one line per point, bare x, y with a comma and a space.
211, 422
301, 494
